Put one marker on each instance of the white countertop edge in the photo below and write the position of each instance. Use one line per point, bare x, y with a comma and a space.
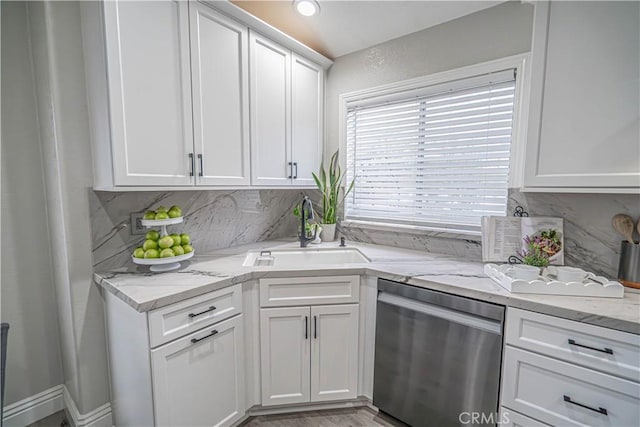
582, 309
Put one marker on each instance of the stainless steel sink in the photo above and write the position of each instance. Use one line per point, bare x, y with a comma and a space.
307, 257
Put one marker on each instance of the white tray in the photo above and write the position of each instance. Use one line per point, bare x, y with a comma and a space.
163, 264
161, 222
544, 285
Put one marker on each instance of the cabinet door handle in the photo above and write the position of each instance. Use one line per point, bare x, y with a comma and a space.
598, 410
191, 164
211, 308
306, 327
201, 173
290, 170
602, 350
315, 327
195, 340
295, 174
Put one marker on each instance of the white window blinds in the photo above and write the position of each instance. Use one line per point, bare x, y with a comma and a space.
435, 156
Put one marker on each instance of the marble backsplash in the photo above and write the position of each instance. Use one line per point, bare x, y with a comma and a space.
214, 219
221, 219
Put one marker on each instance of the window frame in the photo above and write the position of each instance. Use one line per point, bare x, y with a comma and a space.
521, 63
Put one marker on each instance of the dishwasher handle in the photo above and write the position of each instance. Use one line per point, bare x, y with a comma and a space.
455, 316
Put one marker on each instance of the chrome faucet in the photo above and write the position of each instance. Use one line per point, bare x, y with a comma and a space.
306, 208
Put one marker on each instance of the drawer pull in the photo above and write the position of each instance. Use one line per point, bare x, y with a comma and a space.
602, 350
306, 327
315, 327
192, 315
598, 410
214, 332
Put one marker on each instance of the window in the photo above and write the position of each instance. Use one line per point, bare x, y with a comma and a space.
435, 156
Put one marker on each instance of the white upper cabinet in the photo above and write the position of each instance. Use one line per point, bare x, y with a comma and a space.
147, 49
585, 98
270, 112
219, 64
287, 98
307, 92
192, 97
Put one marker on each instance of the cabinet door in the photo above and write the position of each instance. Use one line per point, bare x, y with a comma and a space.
585, 96
198, 380
219, 63
285, 362
334, 352
270, 74
149, 79
307, 94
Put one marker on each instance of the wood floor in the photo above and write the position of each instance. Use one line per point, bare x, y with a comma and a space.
351, 417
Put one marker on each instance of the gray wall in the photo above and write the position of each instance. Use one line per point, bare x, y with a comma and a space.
56, 40
28, 298
500, 31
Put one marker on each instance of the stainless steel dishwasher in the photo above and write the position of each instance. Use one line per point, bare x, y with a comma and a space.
437, 357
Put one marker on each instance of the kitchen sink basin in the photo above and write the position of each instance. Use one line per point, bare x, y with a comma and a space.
304, 257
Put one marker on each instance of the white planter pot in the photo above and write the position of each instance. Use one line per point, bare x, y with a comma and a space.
328, 233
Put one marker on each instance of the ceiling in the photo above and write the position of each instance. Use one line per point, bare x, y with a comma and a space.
345, 26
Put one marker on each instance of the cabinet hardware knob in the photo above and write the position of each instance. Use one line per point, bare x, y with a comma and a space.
306, 327
599, 410
290, 170
195, 340
201, 173
602, 350
211, 308
191, 164
295, 174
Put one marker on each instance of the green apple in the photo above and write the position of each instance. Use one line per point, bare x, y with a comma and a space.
138, 253
166, 253
149, 215
161, 209
176, 239
187, 248
152, 235
178, 250
149, 244
175, 213
166, 242
151, 253
162, 215
185, 239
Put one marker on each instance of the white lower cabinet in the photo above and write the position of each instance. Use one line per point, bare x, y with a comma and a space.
192, 374
200, 378
334, 352
309, 354
284, 356
511, 418
546, 380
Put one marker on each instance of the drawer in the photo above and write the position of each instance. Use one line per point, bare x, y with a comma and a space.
558, 393
176, 320
603, 349
293, 291
511, 418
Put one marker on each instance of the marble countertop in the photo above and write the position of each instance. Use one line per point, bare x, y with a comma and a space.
204, 273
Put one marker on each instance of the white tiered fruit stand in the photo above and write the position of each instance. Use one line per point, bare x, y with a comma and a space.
162, 264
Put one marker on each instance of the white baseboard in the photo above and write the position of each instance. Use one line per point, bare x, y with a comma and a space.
258, 410
34, 408
99, 417
48, 402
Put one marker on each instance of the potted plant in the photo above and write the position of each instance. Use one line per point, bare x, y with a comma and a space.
329, 183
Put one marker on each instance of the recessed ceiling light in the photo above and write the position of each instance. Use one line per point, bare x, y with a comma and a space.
307, 7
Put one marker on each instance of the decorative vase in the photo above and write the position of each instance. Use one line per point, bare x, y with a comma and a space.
328, 233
